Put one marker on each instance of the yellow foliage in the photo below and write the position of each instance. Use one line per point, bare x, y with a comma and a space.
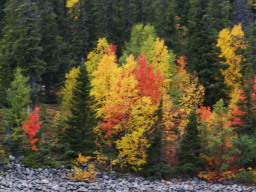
82, 174
168, 118
192, 96
86, 175
71, 3
160, 61
134, 144
230, 42
82, 159
94, 56
104, 82
68, 86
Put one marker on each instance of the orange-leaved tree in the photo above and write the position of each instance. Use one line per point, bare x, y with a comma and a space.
218, 139
186, 91
31, 128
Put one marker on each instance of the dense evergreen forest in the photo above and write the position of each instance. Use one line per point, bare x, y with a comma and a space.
153, 87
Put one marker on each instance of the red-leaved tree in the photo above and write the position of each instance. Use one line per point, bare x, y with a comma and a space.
31, 127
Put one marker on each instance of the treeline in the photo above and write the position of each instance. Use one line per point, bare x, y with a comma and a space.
174, 94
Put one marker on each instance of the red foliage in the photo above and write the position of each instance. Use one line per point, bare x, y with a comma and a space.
149, 82
111, 50
30, 128
205, 112
182, 63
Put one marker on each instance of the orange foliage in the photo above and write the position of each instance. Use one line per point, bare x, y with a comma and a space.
32, 127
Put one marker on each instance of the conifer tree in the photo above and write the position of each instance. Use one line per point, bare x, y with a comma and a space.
190, 147
78, 134
79, 30
21, 44
52, 48
201, 50
2, 5
164, 22
18, 97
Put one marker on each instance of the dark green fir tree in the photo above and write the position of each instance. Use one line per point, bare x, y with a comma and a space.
20, 46
201, 48
79, 134
189, 161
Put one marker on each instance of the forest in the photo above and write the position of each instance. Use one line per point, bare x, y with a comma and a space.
156, 88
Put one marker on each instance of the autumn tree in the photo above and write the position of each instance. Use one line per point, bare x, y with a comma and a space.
128, 112
218, 141
230, 42
186, 92
31, 128
134, 144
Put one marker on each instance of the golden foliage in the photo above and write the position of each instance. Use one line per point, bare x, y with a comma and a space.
94, 56
84, 174
104, 82
69, 85
230, 42
71, 3
160, 61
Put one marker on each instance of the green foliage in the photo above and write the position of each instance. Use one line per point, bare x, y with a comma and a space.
190, 162
81, 122
53, 50
247, 147
20, 46
18, 97
200, 46
142, 41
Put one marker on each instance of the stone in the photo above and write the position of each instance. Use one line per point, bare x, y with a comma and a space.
44, 181
11, 158
99, 174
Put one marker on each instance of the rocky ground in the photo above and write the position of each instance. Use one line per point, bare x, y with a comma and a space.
15, 177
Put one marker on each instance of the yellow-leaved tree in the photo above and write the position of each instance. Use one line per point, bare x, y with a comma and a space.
69, 85
190, 92
94, 56
104, 82
230, 42
71, 3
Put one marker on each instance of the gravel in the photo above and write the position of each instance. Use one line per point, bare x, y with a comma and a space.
15, 177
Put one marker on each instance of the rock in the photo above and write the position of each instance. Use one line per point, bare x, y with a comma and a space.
99, 174
113, 175
82, 189
55, 187
39, 169
11, 158
44, 181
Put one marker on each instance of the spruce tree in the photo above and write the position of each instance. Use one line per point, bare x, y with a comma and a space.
20, 46
201, 50
18, 97
81, 122
2, 5
164, 22
190, 147
53, 51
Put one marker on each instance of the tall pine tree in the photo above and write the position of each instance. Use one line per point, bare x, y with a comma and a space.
21, 44
190, 147
201, 50
81, 122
